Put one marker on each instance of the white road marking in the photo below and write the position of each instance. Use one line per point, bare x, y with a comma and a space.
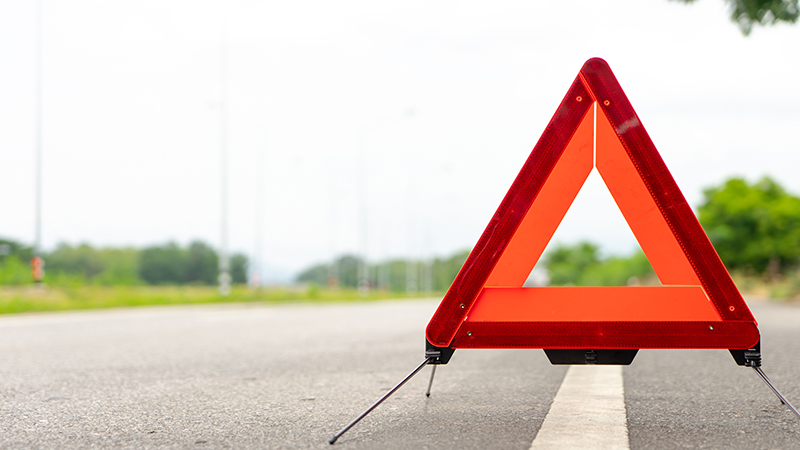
588, 412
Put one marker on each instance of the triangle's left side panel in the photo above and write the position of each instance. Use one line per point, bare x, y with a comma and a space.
547, 210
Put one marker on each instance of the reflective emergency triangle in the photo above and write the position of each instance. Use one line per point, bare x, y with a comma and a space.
698, 305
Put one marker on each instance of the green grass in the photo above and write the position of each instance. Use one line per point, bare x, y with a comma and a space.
19, 299
31, 298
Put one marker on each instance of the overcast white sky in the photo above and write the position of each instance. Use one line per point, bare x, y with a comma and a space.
131, 115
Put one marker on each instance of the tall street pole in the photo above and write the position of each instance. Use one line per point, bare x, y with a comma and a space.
224, 260
362, 186
224, 257
37, 262
257, 264
333, 192
363, 200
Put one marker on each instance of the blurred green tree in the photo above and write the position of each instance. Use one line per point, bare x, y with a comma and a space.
347, 268
443, 272
239, 268
581, 265
753, 225
202, 264
317, 274
567, 263
15, 265
620, 271
85, 264
747, 13
13, 248
120, 266
82, 260
163, 264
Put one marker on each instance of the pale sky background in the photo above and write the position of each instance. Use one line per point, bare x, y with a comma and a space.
131, 116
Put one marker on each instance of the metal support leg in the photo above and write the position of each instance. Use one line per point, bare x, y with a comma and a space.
775, 391
430, 383
375, 405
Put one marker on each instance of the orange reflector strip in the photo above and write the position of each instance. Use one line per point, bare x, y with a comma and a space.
548, 209
640, 209
593, 304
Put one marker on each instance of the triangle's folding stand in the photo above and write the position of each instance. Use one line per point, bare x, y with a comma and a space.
487, 306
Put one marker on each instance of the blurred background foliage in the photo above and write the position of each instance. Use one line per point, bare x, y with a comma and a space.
396, 275
755, 228
581, 265
168, 264
748, 13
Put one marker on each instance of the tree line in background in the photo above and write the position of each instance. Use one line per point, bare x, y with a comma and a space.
567, 265
755, 228
168, 264
397, 275
581, 264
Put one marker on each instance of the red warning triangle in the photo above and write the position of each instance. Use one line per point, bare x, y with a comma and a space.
698, 305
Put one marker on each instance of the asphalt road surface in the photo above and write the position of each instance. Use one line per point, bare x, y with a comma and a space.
290, 376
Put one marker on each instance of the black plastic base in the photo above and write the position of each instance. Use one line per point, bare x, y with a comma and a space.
750, 357
620, 357
744, 357
440, 355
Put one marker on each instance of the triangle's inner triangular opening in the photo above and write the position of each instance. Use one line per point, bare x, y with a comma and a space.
593, 245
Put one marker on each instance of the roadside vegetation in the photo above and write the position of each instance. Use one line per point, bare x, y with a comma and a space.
82, 265
755, 228
33, 298
85, 277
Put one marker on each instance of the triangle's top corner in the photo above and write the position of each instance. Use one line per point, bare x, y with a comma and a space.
595, 64
596, 73
597, 69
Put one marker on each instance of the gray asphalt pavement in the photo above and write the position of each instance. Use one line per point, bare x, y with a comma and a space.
289, 376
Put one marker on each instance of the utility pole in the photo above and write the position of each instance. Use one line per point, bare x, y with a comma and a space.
363, 195
257, 263
37, 263
224, 259
333, 269
363, 200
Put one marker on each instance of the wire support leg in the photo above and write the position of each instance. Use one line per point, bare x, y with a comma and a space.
775, 390
375, 405
430, 383
769, 384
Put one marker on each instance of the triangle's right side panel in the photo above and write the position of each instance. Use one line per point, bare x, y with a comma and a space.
640, 210
678, 215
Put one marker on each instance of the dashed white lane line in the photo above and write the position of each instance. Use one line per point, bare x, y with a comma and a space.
587, 413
